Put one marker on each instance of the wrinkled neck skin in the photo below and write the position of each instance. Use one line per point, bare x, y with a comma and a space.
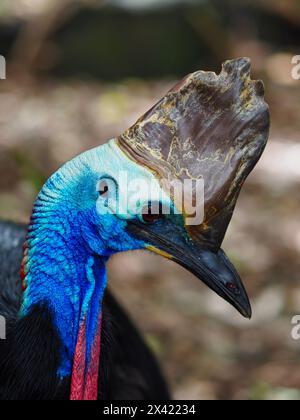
64, 265
64, 274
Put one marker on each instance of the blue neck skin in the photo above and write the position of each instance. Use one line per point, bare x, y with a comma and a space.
68, 245
66, 275
70, 238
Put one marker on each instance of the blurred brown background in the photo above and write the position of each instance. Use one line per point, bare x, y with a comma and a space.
80, 72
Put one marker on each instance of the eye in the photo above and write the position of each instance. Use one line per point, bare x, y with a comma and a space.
152, 212
103, 188
107, 188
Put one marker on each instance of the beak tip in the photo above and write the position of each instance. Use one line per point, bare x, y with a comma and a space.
247, 311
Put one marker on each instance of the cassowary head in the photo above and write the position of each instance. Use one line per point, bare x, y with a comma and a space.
169, 184
209, 128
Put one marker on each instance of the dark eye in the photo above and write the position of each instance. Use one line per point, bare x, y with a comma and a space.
152, 213
103, 188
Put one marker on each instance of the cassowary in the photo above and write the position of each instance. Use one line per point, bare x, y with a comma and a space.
67, 337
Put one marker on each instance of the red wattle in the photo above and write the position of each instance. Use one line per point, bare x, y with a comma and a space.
78, 372
84, 381
91, 386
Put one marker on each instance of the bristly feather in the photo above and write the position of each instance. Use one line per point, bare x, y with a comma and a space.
25, 372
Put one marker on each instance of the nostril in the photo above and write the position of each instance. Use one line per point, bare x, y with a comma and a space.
231, 286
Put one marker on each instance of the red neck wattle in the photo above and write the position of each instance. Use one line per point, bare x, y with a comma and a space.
84, 380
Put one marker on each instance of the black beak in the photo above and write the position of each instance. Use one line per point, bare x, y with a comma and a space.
212, 267
218, 273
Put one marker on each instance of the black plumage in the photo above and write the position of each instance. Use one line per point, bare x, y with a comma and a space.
29, 357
